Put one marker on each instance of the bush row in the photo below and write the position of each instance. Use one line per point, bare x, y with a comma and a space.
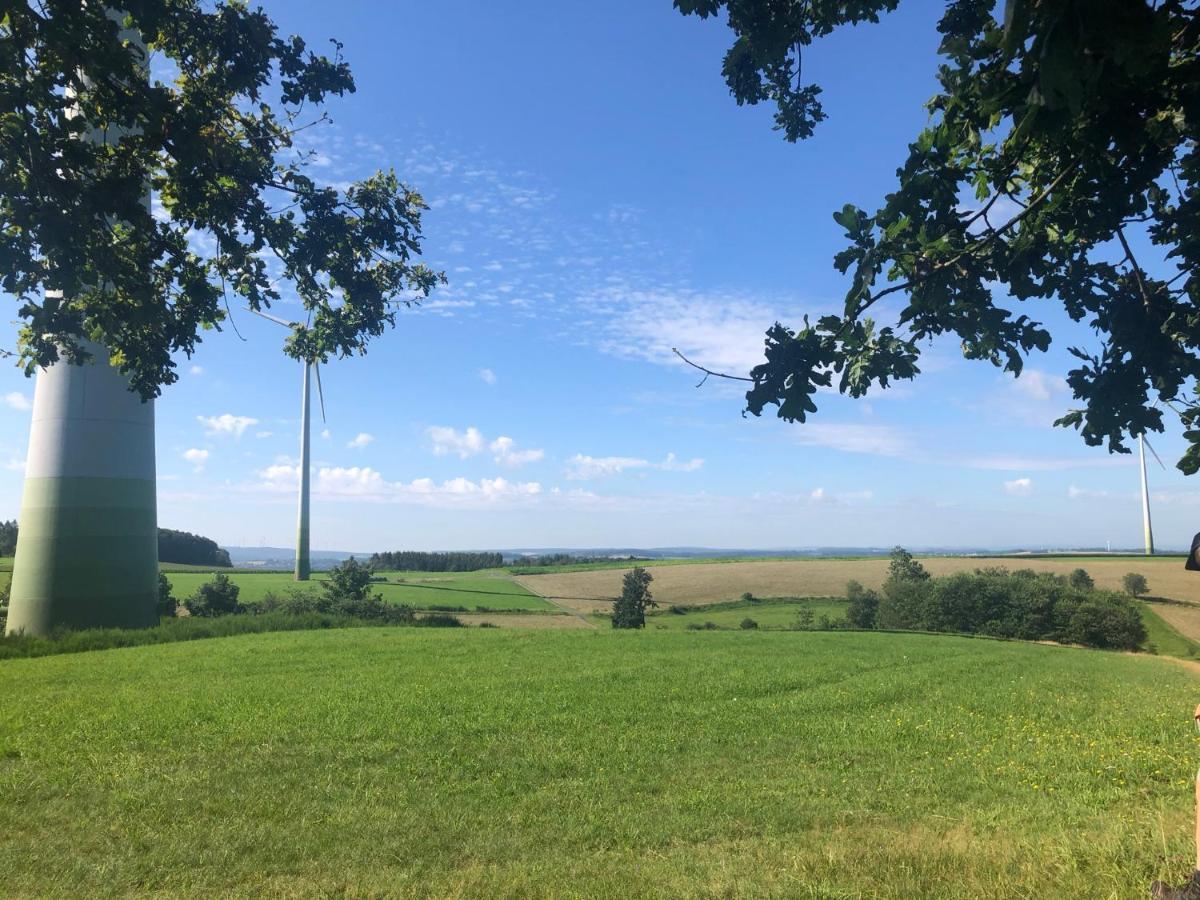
1022, 604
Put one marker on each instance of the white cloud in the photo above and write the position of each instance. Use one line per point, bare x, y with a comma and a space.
875, 440
581, 467
447, 440
360, 441
367, 484
15, 465
721, 333
226, 424
264, 434
505, 452
487, 376
196, 457
18, 401
1038, 385
326, 433
820, 495
671, 464
196, 370
1019, 487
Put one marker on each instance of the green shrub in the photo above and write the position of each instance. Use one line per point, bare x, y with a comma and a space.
167, 606
217, 598
439, 620
804, 619
863, 610
748, 624
749, 598
1024, 604
1135, 584
1081, 579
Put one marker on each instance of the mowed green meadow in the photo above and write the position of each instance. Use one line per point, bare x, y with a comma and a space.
419, 589
397, 762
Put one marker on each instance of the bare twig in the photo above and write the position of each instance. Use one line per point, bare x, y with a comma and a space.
1137, 270
708, 372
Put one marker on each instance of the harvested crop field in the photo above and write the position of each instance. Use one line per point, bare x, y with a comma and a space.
716, 582
1184, 619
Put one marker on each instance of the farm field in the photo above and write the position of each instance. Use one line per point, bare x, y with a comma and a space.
1184, 619
421, 591
696, 583
501, 763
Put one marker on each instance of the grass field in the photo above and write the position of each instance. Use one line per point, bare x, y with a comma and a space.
697, 583
1163, 636
500, 763
421, 590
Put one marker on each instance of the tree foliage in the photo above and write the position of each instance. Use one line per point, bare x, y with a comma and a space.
350, 581
1063, 134
417, 561
167, 605
629, 610
84, 131
902, 567
862, 610
218, 597
1024, 604
1135, 584
190, 549
8, 537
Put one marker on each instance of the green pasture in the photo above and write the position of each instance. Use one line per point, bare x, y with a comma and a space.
1164, 637
422, 591
398, 762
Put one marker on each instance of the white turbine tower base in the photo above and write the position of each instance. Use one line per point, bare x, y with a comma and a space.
87, 551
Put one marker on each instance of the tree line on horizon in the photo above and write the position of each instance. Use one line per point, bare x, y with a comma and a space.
418, 561
180, 547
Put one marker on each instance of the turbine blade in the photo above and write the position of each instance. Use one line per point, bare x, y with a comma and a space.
270, 318
321, 393
1151, 449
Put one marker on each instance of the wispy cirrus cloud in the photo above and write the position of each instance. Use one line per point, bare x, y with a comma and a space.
583, 468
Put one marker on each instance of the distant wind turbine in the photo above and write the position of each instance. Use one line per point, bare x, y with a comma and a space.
303, 569
1147, 530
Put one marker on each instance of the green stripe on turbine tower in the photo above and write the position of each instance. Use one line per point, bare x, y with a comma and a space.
87, 550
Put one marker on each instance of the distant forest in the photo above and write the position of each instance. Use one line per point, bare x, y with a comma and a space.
570, 559
413, 561
173, 547
191, 549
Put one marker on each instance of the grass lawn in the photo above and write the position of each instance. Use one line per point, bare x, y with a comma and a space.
457, 590
1165, 637
592, 763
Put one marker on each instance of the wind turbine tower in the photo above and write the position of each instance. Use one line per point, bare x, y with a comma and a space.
1147, 531
303, 564
87, 551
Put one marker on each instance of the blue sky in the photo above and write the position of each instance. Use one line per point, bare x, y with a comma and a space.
598, 198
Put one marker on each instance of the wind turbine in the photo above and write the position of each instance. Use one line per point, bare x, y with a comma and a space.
1147, 531
303, 570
